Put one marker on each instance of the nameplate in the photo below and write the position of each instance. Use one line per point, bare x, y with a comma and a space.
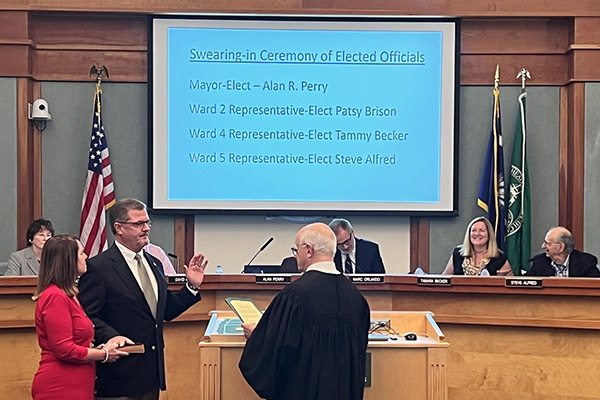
523, 282
273, 279
432, 281
366, 278
176, 279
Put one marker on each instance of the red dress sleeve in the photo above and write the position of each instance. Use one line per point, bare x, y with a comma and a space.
56, 312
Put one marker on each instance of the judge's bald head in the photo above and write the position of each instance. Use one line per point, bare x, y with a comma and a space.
315, 243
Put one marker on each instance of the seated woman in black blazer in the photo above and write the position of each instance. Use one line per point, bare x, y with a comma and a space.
479, 251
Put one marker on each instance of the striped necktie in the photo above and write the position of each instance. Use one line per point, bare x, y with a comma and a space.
348, 265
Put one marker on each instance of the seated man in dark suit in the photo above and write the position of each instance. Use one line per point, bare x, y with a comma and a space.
353, 255
561, 259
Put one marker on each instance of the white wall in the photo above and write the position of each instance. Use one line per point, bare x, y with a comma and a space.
231, 241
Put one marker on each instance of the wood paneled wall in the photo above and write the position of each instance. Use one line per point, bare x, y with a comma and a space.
505, 343
459, 8
60, 40
50, 46
63, 46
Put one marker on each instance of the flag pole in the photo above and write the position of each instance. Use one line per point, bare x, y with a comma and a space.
98, 193
524, 75
491, 190
518, 217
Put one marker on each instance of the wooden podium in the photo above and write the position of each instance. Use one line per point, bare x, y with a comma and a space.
412, 370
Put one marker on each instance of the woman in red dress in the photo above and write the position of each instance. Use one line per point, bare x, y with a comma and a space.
67, 369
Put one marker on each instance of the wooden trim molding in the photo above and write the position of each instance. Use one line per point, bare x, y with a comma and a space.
179, 238
36, 161
48, 46
515, 321
563, 197
419, 243
571, 160
61, 46
184, 238
189, 237
458, 8
53, 46
29, 161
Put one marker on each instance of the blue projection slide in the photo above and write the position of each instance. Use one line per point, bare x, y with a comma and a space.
304, 115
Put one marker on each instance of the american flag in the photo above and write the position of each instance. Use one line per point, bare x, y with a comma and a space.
98, 194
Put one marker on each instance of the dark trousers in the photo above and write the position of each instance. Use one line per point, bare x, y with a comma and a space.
152, 395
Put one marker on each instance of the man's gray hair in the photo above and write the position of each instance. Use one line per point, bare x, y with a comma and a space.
567, 238
119, 211
322, 241
340, 223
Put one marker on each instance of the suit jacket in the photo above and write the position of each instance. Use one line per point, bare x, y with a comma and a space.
112, 298
368, 259
289, 265
23, 262
580, 265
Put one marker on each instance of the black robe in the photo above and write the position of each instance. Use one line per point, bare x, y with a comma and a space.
311, 342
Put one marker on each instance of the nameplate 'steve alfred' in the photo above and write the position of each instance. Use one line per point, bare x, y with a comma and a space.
523, 282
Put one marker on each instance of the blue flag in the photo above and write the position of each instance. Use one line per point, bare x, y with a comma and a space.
491, 191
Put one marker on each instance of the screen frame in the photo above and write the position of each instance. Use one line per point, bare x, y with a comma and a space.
301, 211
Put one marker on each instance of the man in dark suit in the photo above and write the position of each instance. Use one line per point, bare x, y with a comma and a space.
561, 259
353, 255
125, 294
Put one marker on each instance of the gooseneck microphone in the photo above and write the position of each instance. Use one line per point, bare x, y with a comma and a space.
264, 246
176, 258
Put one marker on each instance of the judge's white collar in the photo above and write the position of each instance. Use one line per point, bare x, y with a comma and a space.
327, 267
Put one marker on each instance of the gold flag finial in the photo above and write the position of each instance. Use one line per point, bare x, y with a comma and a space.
497, 77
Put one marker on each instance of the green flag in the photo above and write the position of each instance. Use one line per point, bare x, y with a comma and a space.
518, 216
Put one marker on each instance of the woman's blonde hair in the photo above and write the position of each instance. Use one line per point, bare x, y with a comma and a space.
466, 249
59, 265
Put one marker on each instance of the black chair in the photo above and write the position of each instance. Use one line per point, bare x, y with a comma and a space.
289, 265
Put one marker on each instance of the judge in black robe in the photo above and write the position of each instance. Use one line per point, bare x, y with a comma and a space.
311, 342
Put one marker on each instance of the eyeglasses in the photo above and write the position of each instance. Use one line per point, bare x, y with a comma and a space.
346, 242
138, 224
44, 234
295, 249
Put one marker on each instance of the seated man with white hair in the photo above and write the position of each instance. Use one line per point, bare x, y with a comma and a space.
561, 259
